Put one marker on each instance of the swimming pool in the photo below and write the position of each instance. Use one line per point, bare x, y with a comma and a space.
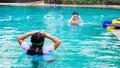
83, 46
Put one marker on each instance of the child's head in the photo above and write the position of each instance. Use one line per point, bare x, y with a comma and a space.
37, 39
75, 13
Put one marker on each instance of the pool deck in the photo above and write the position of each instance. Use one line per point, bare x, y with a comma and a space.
116, 32
41, 3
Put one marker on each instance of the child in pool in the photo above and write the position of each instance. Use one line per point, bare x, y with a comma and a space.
36, 47
75, 19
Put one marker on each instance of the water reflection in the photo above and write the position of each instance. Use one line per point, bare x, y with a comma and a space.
36, 61
38, 64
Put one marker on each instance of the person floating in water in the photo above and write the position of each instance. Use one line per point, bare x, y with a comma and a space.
36, 47
75, 19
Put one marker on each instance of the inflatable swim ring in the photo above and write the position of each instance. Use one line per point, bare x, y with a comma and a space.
114, 24
116, 21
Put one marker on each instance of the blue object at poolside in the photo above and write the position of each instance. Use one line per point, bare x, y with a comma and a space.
107, 23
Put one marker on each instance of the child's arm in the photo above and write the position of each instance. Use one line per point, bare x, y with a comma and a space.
23, 36
54, 39
80, 19
69, 21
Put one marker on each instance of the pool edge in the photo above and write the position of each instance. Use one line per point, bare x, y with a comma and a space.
59, 5
116, 32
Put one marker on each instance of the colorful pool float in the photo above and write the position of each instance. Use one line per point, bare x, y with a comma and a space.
110, 25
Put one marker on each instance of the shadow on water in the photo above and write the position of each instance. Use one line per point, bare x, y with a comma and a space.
37, 64
35, 61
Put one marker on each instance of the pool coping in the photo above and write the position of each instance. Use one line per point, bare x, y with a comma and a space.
42, 4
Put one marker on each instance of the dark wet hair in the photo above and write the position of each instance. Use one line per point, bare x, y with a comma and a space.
75, 13
34, 51
37, 38
37, 41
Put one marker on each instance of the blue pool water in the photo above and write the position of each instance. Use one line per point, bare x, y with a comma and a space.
83, 46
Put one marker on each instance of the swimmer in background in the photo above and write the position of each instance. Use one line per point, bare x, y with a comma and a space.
75, 19
36, 46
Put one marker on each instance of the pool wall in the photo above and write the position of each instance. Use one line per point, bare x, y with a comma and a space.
42, 4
